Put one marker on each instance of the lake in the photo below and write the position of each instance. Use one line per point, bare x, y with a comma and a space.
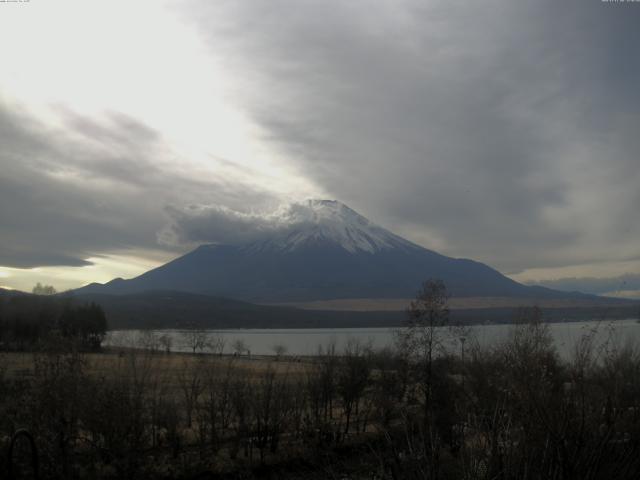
306, 341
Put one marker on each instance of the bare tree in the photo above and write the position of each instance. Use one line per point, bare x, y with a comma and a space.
423, 335
191, 382
196, 339
422, 338
270, 409
280, 350
239, 346
353, 378
216, 408
390, 384
216, 343
148, 340
166, 342
241, 396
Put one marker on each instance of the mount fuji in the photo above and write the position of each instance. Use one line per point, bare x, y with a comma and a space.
323, 250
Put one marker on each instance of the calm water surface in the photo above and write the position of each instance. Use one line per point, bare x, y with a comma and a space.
616, 334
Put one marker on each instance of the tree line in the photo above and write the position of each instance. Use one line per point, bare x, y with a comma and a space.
27, 320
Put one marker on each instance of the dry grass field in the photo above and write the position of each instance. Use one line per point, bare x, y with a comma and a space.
400, 304
117, 362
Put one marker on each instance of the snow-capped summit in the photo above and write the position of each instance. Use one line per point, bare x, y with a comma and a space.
318, 250
328, 223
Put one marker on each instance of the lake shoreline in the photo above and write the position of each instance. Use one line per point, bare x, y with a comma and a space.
306, 342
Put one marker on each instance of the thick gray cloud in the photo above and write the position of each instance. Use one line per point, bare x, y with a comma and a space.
91, 187
502, 131
198, 224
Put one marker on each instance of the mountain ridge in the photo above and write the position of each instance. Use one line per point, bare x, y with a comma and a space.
321, 250
179, 310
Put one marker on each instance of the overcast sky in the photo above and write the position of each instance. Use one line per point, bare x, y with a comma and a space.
507, 132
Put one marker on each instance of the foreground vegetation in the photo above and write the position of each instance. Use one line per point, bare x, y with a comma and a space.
28, 320
512, 412
423, 410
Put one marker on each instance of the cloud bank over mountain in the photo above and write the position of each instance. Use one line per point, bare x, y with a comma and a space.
197, 224
216, 224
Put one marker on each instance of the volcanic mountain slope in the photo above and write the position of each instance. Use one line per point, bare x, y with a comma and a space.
324, 250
